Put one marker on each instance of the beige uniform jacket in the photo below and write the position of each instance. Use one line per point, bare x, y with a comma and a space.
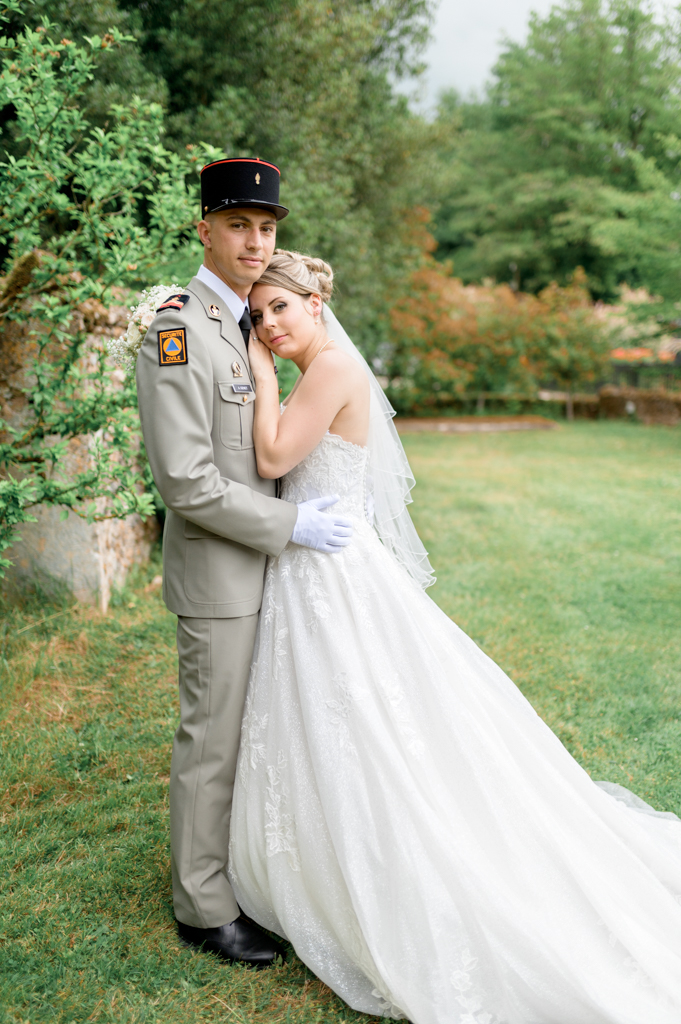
223, 518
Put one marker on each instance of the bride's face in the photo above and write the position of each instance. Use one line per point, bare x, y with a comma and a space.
286, 322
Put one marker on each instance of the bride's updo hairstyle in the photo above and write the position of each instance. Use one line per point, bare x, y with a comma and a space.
298, 273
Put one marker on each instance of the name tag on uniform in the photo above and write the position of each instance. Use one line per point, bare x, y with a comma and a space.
241, 389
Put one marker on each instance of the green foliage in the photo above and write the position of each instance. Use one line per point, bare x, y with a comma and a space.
311, 41
534, 537
89, 707
119, 72
573, 158
559, 552
287, 374
354, 159
84, 211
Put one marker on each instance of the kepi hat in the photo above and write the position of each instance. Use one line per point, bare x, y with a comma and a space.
234, 183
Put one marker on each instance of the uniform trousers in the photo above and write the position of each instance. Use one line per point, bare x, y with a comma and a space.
214, 665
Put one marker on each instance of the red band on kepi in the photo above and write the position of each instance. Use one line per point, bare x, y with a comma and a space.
234, 182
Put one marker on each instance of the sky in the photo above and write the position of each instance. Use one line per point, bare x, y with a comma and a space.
467, 36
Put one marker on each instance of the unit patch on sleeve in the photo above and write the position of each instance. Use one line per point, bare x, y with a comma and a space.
172, 347
173, 302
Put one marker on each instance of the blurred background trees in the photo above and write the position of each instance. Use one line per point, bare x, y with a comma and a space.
571, 159
453, 341
309, 86
573, 156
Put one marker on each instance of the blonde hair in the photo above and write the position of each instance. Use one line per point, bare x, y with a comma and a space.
298, 273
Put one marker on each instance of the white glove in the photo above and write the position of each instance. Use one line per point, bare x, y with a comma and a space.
322, 532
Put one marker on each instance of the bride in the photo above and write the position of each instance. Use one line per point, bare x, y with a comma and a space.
402, 815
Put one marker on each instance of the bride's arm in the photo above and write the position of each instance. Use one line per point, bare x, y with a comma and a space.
283, 440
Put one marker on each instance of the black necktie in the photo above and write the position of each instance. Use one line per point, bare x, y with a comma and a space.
246, 326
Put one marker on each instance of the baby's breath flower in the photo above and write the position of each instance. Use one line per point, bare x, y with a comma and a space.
124, 350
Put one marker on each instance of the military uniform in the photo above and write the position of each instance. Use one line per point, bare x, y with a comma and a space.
196, 399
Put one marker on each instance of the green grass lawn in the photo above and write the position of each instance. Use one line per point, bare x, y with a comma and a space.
559, 552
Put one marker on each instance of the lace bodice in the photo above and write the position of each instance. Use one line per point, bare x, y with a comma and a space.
335, 466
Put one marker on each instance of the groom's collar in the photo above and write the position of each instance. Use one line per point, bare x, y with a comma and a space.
217, 309
234, 304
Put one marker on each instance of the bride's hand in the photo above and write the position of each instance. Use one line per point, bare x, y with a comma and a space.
260, 357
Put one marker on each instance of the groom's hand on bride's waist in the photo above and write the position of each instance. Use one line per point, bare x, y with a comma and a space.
321, 530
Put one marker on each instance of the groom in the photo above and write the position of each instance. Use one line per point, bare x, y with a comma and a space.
196, 395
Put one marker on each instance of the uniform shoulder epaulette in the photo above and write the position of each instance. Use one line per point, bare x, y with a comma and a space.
174, 302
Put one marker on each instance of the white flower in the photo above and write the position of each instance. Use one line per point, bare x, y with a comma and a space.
124, 351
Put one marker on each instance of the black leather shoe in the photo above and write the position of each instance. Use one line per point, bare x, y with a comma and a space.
240, 942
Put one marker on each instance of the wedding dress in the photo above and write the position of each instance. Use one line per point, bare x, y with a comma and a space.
405, 818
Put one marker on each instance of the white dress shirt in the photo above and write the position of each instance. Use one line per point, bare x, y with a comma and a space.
234, 304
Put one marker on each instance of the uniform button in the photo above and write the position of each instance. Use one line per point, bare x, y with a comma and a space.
245, 398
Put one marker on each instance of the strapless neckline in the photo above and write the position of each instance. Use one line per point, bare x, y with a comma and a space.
337, 437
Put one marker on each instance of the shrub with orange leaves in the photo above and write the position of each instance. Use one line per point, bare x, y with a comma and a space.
451, 340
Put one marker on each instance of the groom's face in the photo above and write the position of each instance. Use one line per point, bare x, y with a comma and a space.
238, 245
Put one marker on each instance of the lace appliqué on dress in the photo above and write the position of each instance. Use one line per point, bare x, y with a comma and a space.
393, 692
335, 466
279, 830
468, 998
340, 710
302, 564
253, 751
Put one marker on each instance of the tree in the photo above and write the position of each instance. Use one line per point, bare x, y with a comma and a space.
355, 161
454, 341
83, 211
119, 72
306, 85
573, 157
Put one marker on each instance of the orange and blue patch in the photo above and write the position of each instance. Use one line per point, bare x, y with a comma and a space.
172, 347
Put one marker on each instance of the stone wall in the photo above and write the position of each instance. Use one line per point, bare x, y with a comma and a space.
90, 558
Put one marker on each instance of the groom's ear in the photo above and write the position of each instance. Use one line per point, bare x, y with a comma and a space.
203, 228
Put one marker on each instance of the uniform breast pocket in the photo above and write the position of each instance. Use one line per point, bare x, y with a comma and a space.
236, 415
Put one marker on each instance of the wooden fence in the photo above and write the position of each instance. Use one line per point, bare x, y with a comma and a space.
648, 405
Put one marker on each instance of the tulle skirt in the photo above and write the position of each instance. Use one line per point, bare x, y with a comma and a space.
426, 843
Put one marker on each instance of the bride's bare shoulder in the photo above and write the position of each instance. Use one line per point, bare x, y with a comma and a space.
336, 366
